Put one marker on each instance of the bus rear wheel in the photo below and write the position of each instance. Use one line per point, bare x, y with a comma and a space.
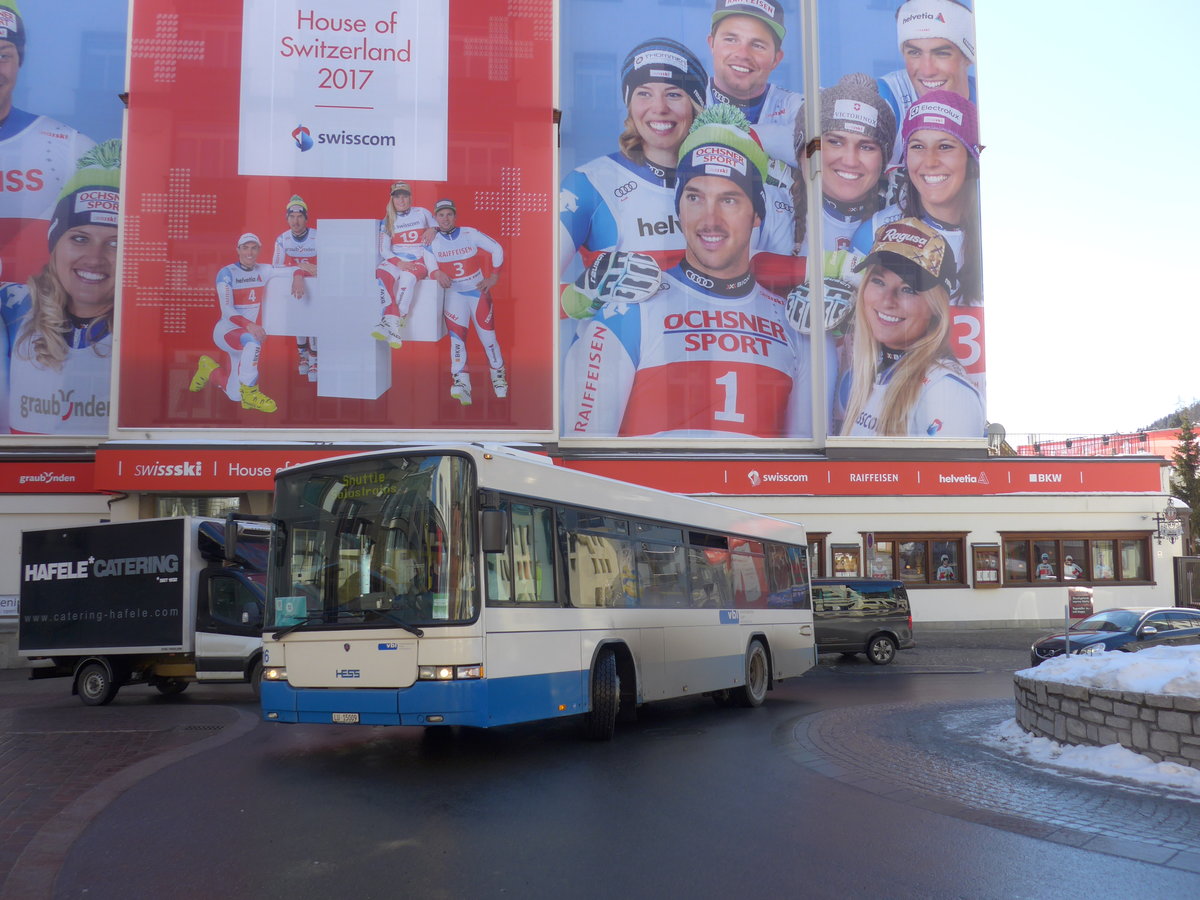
758, 677
601, 721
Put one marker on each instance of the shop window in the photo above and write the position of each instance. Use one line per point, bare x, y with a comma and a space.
1046, 554
846, 560
1104, 563
920, 559
1055, 558
1016, 561
1133, 560
880, 561
1075, 560
816, 554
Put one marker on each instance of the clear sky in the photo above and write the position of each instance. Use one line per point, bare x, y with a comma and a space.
1091, 322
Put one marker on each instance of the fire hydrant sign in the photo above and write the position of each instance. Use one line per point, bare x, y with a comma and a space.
344, 89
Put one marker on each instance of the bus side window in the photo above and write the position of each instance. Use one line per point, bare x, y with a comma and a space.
602, 571
498, 569
533, 554
787, 568
798, 556
708, 570
524, 572
748, 570
662, 575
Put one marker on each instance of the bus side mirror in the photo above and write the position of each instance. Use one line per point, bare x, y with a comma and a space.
494, 530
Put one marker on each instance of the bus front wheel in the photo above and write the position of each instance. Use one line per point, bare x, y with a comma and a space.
758, 676
601, 720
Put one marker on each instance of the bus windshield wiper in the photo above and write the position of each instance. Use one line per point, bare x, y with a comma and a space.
284, 632
392, 617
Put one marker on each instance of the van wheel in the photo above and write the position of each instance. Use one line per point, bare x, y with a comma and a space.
169, 687
601, 721
881, 650
95, 684
758, 677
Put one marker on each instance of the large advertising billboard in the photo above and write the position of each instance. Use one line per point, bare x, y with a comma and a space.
685, 239
60, 118
338, 215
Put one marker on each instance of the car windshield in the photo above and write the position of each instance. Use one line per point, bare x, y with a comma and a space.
1109, 620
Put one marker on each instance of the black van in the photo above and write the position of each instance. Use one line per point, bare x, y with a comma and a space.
862, 615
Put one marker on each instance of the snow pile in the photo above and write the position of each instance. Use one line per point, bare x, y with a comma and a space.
1156, 670
1113, 761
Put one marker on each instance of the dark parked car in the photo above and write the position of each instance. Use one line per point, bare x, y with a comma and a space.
1127, 628
862, 615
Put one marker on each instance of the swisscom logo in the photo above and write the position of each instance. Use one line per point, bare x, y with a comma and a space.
305, 141
303, 138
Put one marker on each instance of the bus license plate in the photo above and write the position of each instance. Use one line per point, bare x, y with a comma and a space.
345, 718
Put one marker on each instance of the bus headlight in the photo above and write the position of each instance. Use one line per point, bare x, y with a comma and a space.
449, 673
274, 674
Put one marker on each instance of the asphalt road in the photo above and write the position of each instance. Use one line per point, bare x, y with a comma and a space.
854, 780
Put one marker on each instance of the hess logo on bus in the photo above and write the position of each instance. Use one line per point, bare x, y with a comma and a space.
347, 673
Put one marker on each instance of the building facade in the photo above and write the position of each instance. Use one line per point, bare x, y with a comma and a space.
349, 225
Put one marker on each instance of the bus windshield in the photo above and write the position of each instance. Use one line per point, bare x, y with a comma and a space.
380, 542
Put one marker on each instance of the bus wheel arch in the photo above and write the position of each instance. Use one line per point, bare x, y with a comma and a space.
757, 675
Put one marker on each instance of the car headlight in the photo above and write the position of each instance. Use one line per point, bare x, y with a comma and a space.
1092, 649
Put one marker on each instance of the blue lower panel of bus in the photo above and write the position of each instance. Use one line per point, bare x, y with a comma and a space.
493, 701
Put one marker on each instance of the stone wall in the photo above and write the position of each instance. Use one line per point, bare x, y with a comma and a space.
1163, 727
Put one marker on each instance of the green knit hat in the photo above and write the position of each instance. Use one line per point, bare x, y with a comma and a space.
722, 143
12, 26
92, 196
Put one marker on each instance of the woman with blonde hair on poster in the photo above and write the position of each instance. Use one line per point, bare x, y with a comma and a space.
60, 322
903, 379
617, 212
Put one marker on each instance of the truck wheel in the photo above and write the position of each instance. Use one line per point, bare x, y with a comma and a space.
169, 687
95, 684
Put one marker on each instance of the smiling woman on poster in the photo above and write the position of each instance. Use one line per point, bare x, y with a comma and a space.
904, 379
60, 322
626, 200
939, 184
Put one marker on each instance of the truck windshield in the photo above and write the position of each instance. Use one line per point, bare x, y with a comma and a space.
382, 542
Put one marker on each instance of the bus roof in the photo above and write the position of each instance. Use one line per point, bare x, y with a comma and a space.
513, 470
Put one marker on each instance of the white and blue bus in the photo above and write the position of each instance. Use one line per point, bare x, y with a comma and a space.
472, 584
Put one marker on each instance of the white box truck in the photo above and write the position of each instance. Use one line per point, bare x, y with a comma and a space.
157, 601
